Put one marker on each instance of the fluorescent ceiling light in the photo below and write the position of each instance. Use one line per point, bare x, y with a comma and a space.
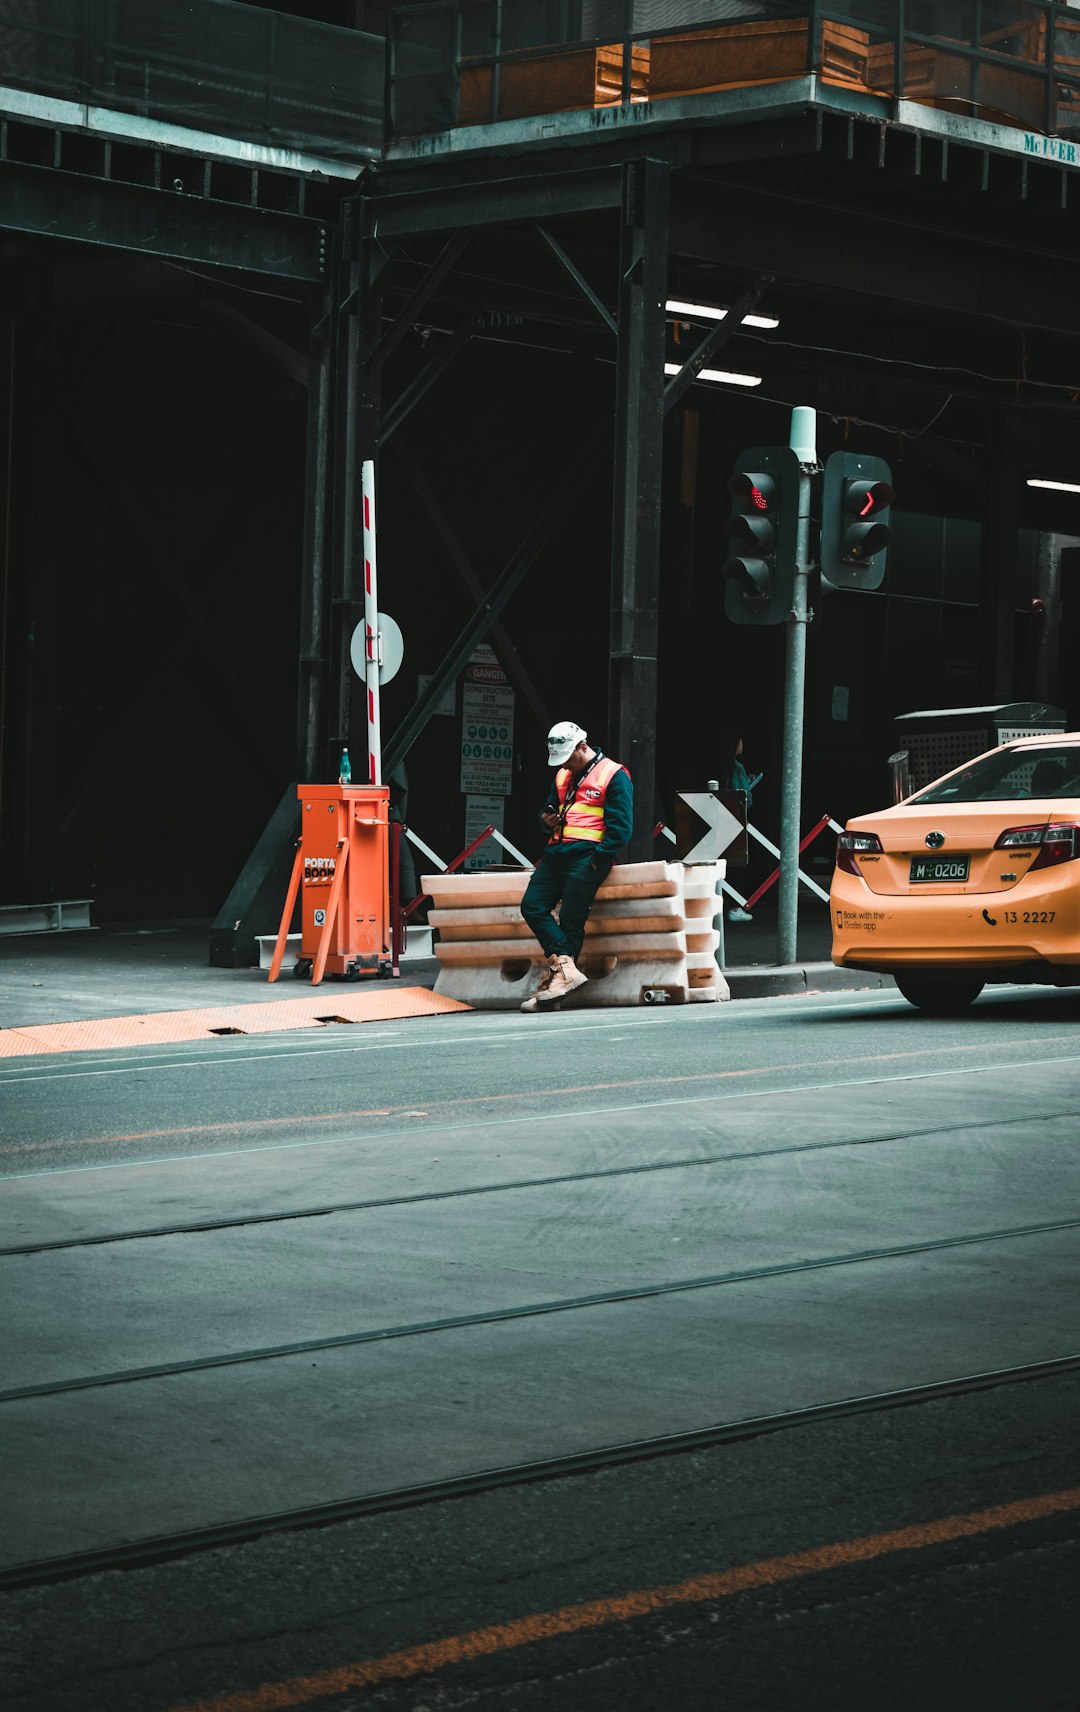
706, 312
718, 374
1060, 487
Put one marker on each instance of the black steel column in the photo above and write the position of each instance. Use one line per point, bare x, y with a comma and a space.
318, 521
639, 442
342, 452
367, 435
1000, 548
360, 326
1057, 556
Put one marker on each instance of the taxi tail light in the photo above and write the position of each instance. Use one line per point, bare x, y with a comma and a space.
852, 844
1057, 842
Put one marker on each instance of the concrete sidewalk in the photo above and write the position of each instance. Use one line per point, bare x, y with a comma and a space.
136, 968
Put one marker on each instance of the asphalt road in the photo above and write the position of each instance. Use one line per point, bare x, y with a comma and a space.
370, 1268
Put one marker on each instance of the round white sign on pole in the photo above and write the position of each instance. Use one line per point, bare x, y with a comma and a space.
393, 649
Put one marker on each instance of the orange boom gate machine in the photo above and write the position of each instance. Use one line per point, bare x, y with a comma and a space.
341, 873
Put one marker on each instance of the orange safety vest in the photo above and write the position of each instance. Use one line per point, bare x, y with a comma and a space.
583, 817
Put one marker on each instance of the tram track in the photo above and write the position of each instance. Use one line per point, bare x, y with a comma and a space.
423, 1479
528, 1310
160, 1548
194, 1227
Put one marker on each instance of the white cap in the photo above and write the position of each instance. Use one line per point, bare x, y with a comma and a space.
563, 739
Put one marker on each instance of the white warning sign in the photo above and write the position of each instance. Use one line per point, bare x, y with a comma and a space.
487, 727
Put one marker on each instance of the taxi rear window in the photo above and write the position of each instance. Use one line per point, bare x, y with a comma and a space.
1010, 775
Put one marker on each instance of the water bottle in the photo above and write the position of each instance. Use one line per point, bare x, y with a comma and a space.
345, 776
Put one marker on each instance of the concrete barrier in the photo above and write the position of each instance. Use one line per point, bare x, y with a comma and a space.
649, 938
701, 905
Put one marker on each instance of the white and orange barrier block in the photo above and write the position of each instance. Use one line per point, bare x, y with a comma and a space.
650, 938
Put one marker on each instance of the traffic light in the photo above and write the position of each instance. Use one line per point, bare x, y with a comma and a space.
855, 531
759, 576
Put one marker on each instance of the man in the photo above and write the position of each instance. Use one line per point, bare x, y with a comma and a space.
589, 815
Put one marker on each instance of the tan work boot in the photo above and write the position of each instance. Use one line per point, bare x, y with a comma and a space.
533, 999
566, 978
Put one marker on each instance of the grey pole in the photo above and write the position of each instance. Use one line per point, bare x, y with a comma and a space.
804, 442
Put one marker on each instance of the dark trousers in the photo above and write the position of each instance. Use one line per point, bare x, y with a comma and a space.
564, 873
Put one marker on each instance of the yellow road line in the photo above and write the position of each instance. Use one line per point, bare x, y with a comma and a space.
598, 1613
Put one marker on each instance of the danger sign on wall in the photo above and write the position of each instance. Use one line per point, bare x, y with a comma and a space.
487, 727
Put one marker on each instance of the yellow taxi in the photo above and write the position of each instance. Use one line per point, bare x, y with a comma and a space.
974, 879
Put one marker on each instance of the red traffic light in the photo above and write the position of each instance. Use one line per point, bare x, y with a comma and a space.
753, 488
759, 573
855, 535
867, 499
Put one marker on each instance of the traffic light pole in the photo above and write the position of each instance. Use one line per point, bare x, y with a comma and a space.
804, 442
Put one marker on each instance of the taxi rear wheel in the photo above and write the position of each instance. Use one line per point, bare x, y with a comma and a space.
940, 995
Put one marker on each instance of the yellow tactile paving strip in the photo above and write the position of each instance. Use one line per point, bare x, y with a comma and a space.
378, 1004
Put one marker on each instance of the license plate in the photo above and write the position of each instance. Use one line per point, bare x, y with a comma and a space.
942, 869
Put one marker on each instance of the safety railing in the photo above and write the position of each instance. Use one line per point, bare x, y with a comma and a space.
235, 71
826, 821
804, 844
469, 62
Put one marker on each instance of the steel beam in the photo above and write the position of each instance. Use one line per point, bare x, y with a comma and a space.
314, 616
713, 341
360, 332
452, 207
1055, 553
283, 355
557, 510
639, 444
446, 349
507, 654
857, 251
998, 567
420, 295
579, 280
147, 221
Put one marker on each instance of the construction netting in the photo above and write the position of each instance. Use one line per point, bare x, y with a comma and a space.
208, 65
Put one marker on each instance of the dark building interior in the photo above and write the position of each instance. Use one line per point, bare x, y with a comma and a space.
155, 478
